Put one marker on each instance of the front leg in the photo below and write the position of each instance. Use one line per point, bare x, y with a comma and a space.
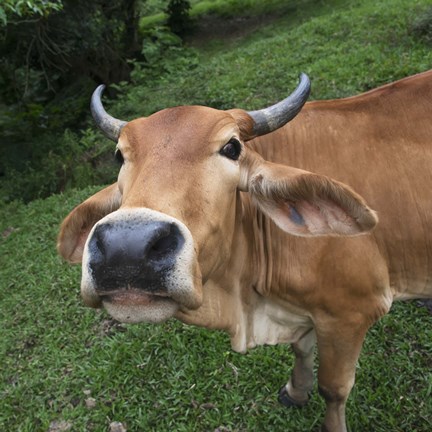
339, 346
296, 391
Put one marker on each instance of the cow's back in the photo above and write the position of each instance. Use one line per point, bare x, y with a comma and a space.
379, 143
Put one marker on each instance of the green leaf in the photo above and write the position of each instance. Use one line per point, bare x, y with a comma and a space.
3, 18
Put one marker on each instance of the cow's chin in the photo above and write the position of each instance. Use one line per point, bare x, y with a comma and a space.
136, 307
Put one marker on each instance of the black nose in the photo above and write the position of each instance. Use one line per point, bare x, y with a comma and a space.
132, 254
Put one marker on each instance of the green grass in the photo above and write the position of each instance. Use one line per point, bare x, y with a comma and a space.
345, 46
173, 377
222, 8
170, 377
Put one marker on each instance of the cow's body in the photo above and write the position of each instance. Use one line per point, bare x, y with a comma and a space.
379, 143
265, 286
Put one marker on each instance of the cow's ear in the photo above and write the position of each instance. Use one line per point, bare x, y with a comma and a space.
78, 224
307, 204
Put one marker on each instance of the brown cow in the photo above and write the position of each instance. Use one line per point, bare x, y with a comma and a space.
213, 224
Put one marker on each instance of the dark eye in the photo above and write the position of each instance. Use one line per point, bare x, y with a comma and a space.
119, 157
231, 149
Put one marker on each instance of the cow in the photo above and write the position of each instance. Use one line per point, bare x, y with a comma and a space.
257, 223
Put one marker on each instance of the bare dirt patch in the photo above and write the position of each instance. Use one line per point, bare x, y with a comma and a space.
214, 27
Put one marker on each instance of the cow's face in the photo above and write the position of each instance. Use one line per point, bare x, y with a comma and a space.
174, 214
150, 241
184, 164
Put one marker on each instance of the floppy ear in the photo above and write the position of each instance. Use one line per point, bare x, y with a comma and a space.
78, 224
307, 204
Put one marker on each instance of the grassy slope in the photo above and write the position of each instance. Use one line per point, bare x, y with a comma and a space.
170, 377
345, 50
174, 377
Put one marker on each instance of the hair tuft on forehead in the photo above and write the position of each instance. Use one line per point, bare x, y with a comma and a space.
244, 122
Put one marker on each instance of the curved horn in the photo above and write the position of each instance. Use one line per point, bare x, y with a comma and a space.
109, 125
269, 119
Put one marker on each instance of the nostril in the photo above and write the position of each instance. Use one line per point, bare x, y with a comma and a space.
97, 245
101, 239
100, 244
165, 244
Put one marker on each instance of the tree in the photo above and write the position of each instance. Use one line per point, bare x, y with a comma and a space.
179, 20
52, 53
58, 41
10, 10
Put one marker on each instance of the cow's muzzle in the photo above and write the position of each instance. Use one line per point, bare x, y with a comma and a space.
141, 266
134, 255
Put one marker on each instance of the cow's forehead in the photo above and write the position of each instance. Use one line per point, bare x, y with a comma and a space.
184, 130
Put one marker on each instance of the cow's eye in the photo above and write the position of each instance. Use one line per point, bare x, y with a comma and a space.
231, 149
119, 157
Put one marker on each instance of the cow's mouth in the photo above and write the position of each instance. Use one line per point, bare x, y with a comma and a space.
135, 305
132, 297
132, 269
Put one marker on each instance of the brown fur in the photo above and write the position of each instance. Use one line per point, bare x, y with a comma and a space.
78, 224
260, 282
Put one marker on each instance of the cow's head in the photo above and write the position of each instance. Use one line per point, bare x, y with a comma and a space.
149, 242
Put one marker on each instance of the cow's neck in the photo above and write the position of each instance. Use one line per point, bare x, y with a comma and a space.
237, 301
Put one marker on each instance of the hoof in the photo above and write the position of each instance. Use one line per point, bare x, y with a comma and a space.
286, 400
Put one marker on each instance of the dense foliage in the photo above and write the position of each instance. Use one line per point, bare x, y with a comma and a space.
48, 143
52, 56
92, 39
11, 9
179, 20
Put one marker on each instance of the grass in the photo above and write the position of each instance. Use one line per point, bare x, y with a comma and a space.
219, 8
55, 354
345, 46
170, 377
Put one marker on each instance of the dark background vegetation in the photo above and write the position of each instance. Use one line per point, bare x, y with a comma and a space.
53, 54
65, 367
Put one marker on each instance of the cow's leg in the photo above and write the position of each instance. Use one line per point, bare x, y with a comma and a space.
338, 351
296, 392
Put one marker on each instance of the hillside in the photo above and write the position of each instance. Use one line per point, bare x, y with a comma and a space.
66, 367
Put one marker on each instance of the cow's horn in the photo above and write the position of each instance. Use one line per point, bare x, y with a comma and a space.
275, 116
109, 125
